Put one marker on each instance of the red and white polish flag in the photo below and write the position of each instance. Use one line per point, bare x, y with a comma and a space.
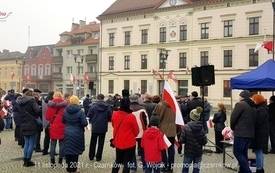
168, 95
166, 141
72, 78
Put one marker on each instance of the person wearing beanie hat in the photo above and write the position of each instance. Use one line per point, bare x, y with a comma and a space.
245, 94
125, 131
193, 137
242, 123
153, 144
142, 120
125, 93
271, 108
260, 142
75, 121
196, 113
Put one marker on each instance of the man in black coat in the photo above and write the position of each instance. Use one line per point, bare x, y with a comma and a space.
37, 95
193, 103
242, 123
271, 107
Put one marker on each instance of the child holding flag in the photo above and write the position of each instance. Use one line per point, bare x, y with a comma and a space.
153, 144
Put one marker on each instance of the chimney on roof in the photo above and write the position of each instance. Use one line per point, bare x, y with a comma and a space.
74, 25
94, 22
82, 23
6, 51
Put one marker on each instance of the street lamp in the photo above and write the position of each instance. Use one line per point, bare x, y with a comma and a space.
79, 60
164, 53
19, 72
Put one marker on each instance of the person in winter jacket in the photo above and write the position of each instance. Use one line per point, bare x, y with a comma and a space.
46, 123
219, 119
143, 121
74, 142
99, 116
125, 130
242, 123
87, 104
260, 140
54, 115
170, 129
28, 111
16, 118
271, 107
194, 138
153, 144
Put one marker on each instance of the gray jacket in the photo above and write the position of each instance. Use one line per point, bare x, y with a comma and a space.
44, 109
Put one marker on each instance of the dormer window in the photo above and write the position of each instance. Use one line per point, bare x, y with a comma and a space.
30, 54
95, 35
63, 38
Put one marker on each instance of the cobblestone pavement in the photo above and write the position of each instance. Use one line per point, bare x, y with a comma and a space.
11, 158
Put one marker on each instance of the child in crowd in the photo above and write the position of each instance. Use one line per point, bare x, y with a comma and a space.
194, 138
153, 143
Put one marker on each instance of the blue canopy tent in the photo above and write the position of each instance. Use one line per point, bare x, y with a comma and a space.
261, 78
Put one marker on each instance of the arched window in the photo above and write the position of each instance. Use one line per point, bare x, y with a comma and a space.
40, 70
47, 69
33, 70
27, 70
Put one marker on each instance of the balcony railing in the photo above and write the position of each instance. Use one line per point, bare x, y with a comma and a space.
57, 76
91, 58
92, 76
57, 60
41, 77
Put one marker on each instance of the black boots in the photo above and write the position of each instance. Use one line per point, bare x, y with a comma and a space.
28, 162
59, 165
260, 171
52, 163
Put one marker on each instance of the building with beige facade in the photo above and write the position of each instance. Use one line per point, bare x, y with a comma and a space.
223, 33
76, 54
11, 70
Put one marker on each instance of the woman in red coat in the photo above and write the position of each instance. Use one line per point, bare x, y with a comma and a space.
125, 131
54, 115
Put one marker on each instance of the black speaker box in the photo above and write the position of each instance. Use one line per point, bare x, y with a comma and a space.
203, 76
91, 85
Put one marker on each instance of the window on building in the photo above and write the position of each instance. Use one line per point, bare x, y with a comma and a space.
26, 70
228, 28
182, 60
182, 87
80, 70
144, 36
127, 84
6, 71
183, 32
40, 70
47, 69
253, 58
204, 30
162, 36
92, 69
111, 86
44, 55
205, 91
143, 61
69, 88
227, 58
69, 53
111, 39
204, 58
254, 26
44, 87
80, 52
143, 86
127, 62
127, 38
69, 69
33, 70
226, 88
111, 63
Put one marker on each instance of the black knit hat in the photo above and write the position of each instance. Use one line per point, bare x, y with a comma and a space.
125, 93
154, 121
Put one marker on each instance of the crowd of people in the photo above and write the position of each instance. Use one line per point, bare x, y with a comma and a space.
139, 123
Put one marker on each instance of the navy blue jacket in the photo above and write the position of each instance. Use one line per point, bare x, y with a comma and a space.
87, 102
75, 120
16, 116
100, 114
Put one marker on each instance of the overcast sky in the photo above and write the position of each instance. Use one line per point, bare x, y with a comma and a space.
46, 18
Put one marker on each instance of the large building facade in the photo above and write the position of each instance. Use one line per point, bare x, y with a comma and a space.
222, 33
76, 55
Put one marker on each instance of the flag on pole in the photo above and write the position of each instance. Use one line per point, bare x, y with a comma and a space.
156, 72
72, 78
12, 75
268, 45
168, 95
172, 76
210, 123
258, 46
166, 141
86, 78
